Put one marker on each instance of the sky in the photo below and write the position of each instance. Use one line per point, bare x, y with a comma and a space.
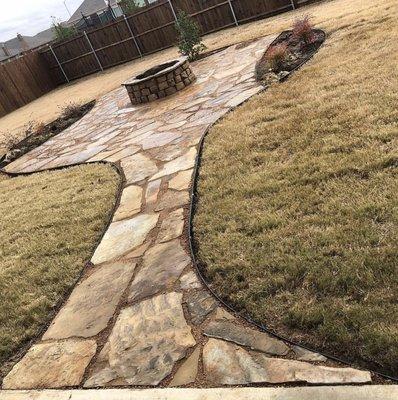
29, 17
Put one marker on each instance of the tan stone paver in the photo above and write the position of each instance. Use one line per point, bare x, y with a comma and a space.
143, 308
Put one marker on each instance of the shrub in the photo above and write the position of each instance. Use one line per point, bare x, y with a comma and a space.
277, 55
303, 30
189, 40
61, 31
40, 129
71, 110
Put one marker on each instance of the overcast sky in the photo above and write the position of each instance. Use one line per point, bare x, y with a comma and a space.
29, 17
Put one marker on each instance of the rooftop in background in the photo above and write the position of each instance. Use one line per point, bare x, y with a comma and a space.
21, 43
89, 7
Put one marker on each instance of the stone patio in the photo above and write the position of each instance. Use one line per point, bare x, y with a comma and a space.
142, 318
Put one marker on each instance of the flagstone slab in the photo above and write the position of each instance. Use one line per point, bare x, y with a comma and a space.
161, 268
190, 281
200, 305
138, 167
146, 341
92, 303
306, 355
159, 139
152, 191
233, 332
228, 364
52, 365
128, 151
181, 181
188, 371
172, 199
130, 203
167, 153
186, 161
172, 226
123, 236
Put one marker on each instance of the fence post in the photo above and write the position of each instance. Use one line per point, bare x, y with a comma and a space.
172, 9
132, 35
59, 64
93, 51
233, 12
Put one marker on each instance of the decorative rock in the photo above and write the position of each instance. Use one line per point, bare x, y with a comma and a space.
190, 281
181, 181
172, 226
306, 355
162, 265
228, 364
146, 341
188, 371
172, 199
138, 167
123, 236
52, 365
130, 203
200, 305
186, 161
232, 332
92, 303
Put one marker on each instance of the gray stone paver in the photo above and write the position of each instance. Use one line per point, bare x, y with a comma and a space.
228, 364
154, 329
156, 147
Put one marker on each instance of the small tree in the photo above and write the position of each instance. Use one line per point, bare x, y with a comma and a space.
129, 6
62, 31
189, 40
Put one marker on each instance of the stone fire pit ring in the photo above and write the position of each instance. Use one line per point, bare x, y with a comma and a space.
160, 81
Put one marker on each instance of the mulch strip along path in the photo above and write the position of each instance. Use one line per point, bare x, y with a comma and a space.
43, 133
297, 55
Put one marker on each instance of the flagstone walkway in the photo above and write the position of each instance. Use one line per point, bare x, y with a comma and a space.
142, 318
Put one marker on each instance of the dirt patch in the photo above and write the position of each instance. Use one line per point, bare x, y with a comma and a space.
292, 53
37, 134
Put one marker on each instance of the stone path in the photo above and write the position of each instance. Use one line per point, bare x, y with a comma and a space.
142, 318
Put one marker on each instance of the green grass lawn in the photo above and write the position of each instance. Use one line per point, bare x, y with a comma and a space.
297, 218
50, 224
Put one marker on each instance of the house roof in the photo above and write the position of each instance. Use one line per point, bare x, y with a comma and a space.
14, 46
89, 7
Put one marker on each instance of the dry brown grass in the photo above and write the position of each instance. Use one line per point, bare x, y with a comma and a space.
50, 223
48, 107
297, 220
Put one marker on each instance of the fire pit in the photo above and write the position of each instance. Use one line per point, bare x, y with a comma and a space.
160, 81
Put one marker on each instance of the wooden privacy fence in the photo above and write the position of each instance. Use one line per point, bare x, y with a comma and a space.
23, 80
148, 30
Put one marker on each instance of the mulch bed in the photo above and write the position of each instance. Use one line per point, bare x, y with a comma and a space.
36, 136
298, 53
